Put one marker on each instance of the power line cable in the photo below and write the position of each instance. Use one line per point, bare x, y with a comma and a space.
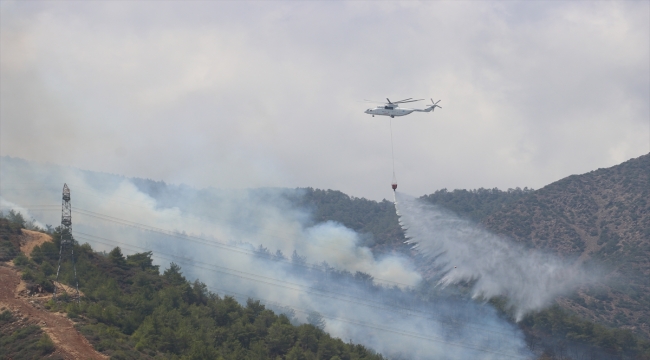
176, 234
211, 243
207, 242
192, 263
356, 322
297, 287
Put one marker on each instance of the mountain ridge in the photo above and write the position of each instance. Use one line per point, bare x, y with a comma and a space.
603, 217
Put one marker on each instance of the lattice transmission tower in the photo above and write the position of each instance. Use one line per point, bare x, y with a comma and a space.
67, 242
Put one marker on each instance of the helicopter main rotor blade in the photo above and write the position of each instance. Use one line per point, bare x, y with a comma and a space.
407, 101
396, 102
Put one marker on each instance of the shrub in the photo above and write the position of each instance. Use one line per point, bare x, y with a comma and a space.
21, 260
45, 344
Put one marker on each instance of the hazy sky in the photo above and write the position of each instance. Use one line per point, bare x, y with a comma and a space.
268, 93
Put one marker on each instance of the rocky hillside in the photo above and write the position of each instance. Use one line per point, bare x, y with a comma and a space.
601, 217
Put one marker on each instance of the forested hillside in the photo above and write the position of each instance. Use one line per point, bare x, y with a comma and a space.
476, 204
601, 217
131, 311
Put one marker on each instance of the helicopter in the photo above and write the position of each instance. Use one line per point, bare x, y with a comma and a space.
392, 109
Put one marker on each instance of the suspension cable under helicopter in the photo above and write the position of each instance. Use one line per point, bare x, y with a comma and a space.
392, 151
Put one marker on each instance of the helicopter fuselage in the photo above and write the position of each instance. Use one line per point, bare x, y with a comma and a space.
391, 111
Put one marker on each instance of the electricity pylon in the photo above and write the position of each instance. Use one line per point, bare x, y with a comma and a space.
66, 240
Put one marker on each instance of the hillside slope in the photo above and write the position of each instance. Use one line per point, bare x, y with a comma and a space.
558, 218
599, 217
27, 330
129, 310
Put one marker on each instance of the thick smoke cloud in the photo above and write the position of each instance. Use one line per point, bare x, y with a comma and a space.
257, 217
216, 235
466, 252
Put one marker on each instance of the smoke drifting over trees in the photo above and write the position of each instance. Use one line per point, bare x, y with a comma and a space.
239, 243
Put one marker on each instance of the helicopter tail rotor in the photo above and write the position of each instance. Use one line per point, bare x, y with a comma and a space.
434, 105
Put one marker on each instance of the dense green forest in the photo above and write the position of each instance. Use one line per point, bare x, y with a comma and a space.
475, 204
131, 311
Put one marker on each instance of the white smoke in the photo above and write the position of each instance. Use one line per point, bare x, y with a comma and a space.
30, 221
213, 233
466, 252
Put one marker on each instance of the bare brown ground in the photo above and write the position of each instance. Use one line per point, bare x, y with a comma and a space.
32, 239
68, 342
29, 240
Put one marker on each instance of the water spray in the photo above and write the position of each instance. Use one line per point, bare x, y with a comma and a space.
496, 266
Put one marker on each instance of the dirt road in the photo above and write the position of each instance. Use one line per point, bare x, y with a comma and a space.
68, 341
31, 239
